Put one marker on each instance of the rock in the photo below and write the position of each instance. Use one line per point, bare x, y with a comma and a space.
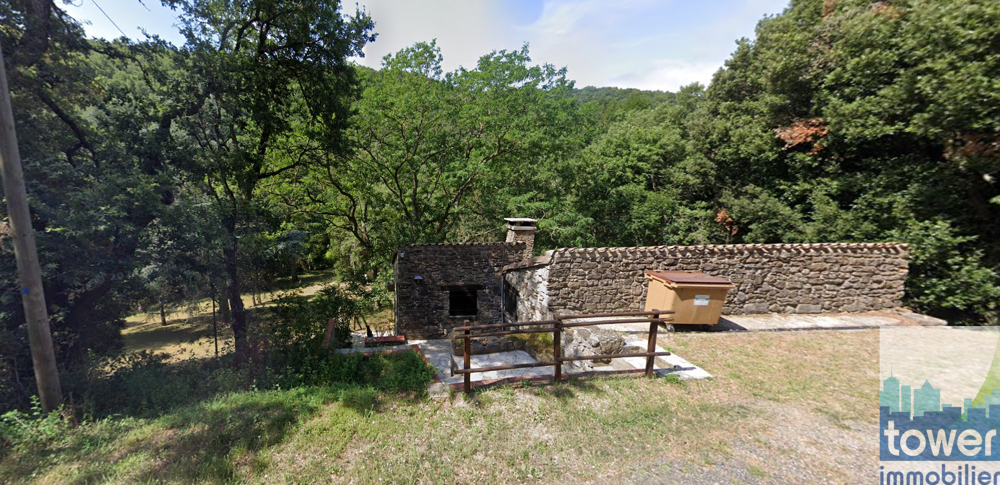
807, 308
590, 341
439, 390
489, 345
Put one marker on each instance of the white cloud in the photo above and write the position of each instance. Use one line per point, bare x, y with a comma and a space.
561, 17
465, 30
667, 75
643, 44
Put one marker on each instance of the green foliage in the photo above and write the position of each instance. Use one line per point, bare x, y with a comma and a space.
760, 217
143, 384
32, 430
947, 275
158, 172
405, 372
300, 322
432, 152
295, 337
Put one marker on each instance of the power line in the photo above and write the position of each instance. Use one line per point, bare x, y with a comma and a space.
109, 18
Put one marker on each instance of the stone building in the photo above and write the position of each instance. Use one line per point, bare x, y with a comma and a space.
439, 286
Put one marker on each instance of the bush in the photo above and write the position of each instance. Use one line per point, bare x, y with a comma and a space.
404, 372
947, 276
300, 322
32, 430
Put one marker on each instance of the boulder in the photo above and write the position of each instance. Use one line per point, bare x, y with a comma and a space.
577, 342
488, 345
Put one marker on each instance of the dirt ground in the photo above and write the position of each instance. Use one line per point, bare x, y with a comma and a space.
813, 407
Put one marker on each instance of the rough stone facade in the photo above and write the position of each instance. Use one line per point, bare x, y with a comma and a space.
530, 287
522, 230
779, 278
428, 277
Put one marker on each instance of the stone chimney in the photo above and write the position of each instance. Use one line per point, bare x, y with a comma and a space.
522, 229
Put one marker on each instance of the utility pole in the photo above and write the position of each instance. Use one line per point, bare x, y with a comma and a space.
29, 273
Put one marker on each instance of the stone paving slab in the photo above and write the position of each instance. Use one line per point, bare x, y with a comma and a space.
439, 353
831, 321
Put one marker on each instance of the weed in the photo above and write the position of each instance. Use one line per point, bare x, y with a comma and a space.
32, 430
361, 399
538, 345
674, 379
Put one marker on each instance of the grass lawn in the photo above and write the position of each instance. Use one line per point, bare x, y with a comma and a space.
784, 407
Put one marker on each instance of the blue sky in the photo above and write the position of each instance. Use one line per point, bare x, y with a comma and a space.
647, 44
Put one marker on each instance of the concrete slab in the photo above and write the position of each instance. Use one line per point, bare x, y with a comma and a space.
829, 321
439, 353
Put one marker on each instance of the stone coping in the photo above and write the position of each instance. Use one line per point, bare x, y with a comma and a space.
530, 263
731, 248
460, 245
710, 249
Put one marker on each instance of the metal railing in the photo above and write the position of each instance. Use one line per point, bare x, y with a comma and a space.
555, 327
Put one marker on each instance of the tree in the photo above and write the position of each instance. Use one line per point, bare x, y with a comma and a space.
432, 154
90, 198
859, 120
258, 70
632, 184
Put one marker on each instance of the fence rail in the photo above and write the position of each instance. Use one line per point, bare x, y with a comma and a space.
555, 327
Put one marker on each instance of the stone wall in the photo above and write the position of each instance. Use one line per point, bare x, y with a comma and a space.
422, 305
531, 285
782, 278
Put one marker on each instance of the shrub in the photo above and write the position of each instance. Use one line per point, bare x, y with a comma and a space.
32, 430
300, 322
947, 276
404, 372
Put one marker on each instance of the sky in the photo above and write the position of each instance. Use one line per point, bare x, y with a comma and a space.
645, 44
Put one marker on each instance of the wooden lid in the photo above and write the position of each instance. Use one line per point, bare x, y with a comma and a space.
687, 278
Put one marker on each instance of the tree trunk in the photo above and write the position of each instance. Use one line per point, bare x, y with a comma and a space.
238, 316
224, 313
163, 315
215, 323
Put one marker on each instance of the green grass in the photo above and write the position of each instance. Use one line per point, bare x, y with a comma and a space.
539, 345
582, 430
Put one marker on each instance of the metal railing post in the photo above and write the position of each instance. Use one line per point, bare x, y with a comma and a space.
466, 350
651, 347
557, 348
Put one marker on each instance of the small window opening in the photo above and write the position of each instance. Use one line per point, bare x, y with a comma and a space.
510, 302
462, 302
